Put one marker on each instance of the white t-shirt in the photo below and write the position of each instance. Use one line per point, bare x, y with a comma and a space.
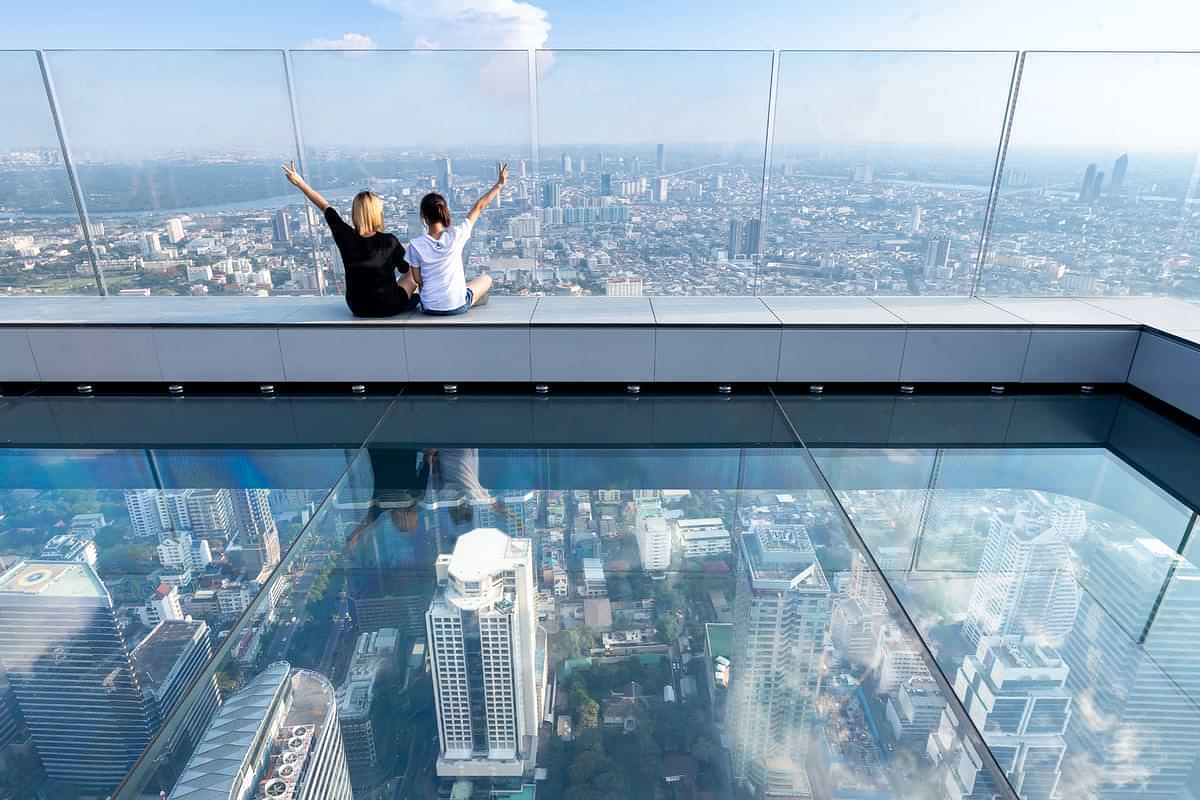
443, 277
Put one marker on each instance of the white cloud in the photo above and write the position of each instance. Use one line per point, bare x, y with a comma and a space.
348, 41
489, 24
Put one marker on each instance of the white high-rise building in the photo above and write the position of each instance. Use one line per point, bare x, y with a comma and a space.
277, 737
162, 605
1025, 584
257, 534
1014, 690
175, 230
184, 553
782, 614
624, 286
654, 543
488, 669
897, 659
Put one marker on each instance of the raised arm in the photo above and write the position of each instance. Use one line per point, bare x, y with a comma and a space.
492, 194
289, 169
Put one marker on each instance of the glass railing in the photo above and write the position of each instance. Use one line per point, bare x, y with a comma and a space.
633, 172
678, 593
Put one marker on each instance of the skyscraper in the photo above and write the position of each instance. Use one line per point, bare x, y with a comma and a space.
277, 737
551, 191
566, 165
660, 161
606, 185
1025, 583
257, 534
782, 614
914, 225
69, 667
374, 653
1097, 186
175, 230
445, 177
488, 664
1117, 185
1140, 734
166, 663
1089, 179
660, 190
654, 543
1013, 688
937, 257
281, 227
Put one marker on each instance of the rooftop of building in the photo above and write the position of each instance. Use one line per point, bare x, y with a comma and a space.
75, 579
156, 656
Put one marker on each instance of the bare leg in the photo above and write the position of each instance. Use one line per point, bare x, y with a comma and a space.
408, 283
480, 287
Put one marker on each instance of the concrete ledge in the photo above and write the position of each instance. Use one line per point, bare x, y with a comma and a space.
609, 339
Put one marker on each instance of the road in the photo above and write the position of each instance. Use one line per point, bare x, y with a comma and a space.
340, 626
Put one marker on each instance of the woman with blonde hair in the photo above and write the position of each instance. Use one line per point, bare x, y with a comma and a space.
371, 257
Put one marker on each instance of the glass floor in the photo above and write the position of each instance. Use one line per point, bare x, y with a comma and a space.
660, 597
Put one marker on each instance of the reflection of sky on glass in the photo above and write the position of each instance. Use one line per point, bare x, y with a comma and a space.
1115, 102
847, 99
412, 99
131, 106
26, 121
628, 97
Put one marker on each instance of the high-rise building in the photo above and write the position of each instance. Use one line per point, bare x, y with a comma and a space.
166, 663
551, 191
914, 710
660, 189
937, 257
488, 664
1117, 185
1089, 180
71, 672
653, 537
1140, 734
175, 230
276, 738
374, 653
1097, 186
660, 159
445, 177
745, 237
10, 725
914, 225
151, 245
184, 553
1014, 690
566, 165
162, 604
281, 227
257, 534
635, 166
781, 619
522, 168
581, 167
606, 184
1025, 583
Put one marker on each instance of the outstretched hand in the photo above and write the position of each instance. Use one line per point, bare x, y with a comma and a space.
502, 173
289, 171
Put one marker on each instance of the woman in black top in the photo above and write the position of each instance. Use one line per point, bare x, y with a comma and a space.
371, 257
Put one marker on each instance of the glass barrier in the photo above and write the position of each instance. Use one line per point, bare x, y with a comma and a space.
42, 247
649, 164
881, 169
178, 156
1099, 192
1050, 584
406, 123
596, 621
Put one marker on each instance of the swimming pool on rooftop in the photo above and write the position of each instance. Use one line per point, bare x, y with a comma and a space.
859, 596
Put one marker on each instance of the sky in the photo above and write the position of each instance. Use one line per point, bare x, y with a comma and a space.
1100, 102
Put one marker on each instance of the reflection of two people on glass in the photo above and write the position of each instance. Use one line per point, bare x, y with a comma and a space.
385, 277
432, 495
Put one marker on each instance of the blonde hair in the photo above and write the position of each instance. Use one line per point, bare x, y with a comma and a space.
367, 213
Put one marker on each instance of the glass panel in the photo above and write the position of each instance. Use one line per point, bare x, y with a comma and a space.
645, 177
42, 249
880, 172
415, 138
178, 154
1099, 190
1049, 585
631, 620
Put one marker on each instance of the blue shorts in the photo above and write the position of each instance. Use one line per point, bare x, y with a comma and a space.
464, 308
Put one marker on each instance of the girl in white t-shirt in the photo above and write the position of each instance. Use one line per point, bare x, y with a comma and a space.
436, 257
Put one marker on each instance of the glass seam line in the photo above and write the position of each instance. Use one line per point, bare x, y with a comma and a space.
953, 702
767, 164
143, 769
64, 146
989, 212
298, 139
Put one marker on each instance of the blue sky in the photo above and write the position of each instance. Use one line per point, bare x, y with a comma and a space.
971, 24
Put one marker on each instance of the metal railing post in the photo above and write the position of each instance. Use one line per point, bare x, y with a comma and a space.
72, 176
